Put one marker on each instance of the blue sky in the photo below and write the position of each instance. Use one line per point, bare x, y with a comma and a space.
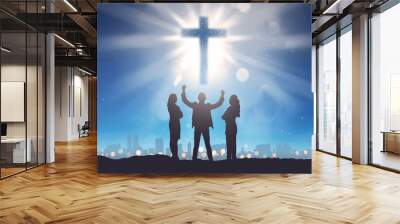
265, 59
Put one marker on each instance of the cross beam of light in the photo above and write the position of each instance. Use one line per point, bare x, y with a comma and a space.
186, 56
203, 33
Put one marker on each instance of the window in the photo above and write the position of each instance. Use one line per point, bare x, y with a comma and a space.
346, 92
385, 88
327, 95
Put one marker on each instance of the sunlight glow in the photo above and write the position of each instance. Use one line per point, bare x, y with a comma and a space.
242, 7
113, 154
242, 74
188, 61
186, 55
219, 51
201, 149
178, 79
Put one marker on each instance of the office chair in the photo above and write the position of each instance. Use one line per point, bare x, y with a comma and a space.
84, 130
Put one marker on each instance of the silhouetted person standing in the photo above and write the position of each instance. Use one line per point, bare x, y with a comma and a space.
201, 120
230, 116
175, 114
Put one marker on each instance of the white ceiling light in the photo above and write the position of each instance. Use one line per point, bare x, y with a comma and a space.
70, 5
5, 50
84, 71
65, 41
337, 7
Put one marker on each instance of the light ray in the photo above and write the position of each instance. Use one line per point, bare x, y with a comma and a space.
218, 15
238, 38
169, 13
192, 17
137, 41
275, 71
179, 20
134, 16
147, 74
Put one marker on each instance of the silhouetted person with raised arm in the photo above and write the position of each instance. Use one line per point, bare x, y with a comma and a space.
229, 117
202, 120
175, 114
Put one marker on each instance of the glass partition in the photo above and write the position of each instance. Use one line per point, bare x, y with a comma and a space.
23, 90
14, 153
32, 95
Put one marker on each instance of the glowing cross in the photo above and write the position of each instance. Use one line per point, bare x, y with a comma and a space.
203, 33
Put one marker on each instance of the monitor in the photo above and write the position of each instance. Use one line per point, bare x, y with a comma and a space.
3, 129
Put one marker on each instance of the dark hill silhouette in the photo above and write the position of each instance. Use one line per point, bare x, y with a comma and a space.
165, 164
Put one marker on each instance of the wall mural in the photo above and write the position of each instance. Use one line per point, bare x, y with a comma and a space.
220, 88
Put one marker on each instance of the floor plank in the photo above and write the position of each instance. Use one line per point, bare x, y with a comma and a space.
71, 191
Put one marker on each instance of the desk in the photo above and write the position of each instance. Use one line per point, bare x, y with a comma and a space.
391, 142
13, 150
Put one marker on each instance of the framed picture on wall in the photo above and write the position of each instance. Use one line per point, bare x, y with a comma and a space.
205, 88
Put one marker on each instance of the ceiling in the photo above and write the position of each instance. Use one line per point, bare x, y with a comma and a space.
75, 22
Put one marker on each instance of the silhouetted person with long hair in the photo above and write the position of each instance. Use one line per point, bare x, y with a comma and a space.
175, 114
230, 116
202, 120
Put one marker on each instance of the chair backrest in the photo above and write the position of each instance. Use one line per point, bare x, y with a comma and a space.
86, 125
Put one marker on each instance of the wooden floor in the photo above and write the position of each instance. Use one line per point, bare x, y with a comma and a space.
71, 191
5, 172
387, 159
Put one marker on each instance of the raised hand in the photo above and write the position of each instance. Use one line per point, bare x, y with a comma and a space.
183, 88
222, 92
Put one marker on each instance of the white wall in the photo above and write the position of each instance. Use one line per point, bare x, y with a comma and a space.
81, 89
62, 81
71, 93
